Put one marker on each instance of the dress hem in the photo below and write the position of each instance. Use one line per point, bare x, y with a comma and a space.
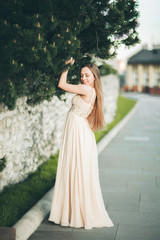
81, 226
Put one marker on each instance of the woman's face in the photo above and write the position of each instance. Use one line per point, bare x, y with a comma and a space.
87, 76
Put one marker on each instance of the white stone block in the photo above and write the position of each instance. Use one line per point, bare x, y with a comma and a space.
1, 137
9, 121
1, 117
6, 136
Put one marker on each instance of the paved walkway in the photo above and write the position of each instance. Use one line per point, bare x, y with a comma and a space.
130, 180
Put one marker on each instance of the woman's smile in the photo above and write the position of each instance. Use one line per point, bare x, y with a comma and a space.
87, 76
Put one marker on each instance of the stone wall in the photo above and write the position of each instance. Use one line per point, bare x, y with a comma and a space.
29, 135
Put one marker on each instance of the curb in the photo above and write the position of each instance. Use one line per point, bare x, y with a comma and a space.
26, 226
30, 221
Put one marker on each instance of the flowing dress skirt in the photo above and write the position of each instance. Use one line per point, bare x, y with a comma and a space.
77, 198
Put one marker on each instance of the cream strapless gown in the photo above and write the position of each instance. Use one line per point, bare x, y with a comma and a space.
77, 198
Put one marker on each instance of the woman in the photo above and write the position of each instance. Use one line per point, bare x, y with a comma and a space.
77, 198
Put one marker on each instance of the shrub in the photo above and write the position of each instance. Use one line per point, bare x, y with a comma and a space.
38, 36
3, 163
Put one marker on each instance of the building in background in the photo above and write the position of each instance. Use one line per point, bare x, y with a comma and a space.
143, 71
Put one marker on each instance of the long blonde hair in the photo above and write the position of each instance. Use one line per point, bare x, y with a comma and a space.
96, 117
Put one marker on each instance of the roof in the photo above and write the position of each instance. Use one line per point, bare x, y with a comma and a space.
146, 57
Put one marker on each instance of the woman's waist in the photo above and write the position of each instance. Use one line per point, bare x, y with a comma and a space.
79, 111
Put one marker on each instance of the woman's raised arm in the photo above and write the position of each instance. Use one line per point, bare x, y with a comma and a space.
73, 88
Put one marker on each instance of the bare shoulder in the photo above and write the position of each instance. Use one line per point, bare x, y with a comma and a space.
87, 90
89, 93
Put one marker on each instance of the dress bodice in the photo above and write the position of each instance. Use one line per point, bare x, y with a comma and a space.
81, 107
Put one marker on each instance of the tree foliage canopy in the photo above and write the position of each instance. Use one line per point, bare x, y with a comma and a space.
38, 36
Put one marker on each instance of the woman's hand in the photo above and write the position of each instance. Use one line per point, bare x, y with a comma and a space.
71, 61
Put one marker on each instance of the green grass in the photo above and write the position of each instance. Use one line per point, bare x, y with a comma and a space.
16, 200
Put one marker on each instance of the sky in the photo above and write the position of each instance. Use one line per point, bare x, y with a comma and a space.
149, 28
